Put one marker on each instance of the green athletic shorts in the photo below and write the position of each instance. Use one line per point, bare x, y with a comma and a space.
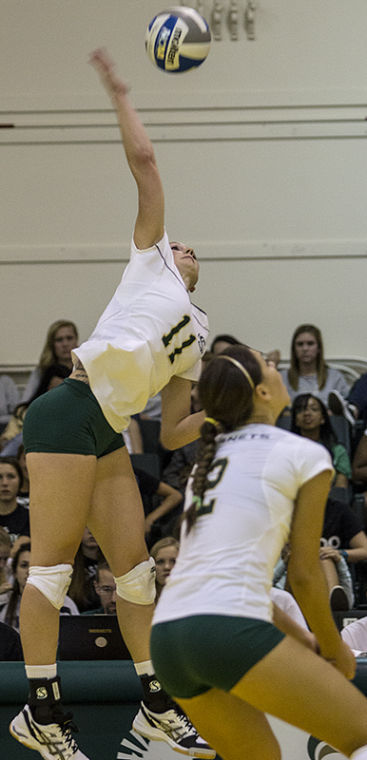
201, 652
69, 420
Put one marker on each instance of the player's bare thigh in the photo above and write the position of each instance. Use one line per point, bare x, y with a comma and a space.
235, 728
301, 688
116, 518
60, 498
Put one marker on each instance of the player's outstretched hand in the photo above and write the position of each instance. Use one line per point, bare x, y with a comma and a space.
103, 63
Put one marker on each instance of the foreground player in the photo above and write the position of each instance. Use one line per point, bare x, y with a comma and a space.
253, 484
149, 339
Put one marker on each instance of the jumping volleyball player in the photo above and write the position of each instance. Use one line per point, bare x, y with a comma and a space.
217, 644
149, 339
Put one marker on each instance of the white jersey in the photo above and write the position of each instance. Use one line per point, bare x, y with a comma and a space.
225, 564
149, 332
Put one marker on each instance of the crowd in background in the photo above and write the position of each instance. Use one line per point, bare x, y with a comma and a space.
323, 406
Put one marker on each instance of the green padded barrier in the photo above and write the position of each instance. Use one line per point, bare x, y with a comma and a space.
87, 681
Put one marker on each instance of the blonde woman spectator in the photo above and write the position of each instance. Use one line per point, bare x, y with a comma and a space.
62, 336
164, 553
308, 371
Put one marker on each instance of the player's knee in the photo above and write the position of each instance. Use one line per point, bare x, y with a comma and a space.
138, 585
53, 582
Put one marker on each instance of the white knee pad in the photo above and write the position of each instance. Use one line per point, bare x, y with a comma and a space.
53, 582
138, 585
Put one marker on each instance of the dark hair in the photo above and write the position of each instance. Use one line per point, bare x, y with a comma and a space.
226, 339
227, 397
321, 366
15, 593
327, 434
14, 463
81, 589
102, 565
54, 370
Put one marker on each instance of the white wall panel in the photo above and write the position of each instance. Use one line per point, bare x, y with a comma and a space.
262, 151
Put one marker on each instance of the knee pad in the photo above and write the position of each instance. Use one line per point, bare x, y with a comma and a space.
138, 585
53, 582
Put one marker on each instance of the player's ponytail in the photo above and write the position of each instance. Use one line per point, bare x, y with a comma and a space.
226, 393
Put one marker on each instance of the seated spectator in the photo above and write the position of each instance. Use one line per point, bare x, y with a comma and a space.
160, 502
354, 407
62, 337
221, 342
82, 589
9, 397
359, 466
177, 471
308, 371
20, 569
105, 588
288, 604
310, 418
5, 583
13, 516
337, 573
11, 438
343, 537
164, 553
23, 496
10, 645
132, 437
355, 635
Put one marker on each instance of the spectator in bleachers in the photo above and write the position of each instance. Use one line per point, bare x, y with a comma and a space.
9, 397
355, 635
310, 418
105, 588
5, 549
308, 371
178, 469
160, 501
164, 553
343, 537
10, 645
132, 437
222, 341
82, 588
354, 407
11, 438
62, 337
14, 517
20, 569
23, 496
359, 465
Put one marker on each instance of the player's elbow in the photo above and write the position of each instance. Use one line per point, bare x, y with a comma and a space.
169, 440
301, 576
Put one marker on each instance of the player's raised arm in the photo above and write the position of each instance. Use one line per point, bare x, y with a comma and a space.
139, 151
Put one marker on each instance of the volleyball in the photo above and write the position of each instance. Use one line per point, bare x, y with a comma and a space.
178, 39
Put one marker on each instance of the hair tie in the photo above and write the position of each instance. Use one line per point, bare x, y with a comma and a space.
212, 421
240, 367
197, 501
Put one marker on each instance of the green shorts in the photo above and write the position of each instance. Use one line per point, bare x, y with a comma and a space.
69, 420
201, 652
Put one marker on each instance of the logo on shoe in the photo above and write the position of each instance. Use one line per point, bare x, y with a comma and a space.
41, 692
154, 686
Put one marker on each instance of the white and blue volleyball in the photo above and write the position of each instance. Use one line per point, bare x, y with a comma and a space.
178, 39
